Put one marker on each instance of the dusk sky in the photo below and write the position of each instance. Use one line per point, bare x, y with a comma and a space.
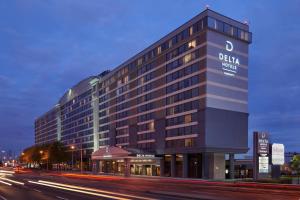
48, 46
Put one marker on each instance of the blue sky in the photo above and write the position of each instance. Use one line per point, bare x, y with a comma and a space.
48, 46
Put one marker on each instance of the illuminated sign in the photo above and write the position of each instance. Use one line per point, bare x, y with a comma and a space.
263, 143
277, 154
145, 155
230, 63
263, 164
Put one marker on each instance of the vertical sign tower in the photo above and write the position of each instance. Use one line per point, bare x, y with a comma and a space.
260, 155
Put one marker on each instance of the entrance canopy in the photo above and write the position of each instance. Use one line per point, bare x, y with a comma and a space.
110, 153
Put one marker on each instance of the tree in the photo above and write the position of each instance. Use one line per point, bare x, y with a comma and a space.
58, 153
51, 153
295, 165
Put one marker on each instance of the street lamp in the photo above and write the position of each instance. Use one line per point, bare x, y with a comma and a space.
41, 152
72, 147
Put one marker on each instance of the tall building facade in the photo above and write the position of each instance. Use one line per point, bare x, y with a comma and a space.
182, 103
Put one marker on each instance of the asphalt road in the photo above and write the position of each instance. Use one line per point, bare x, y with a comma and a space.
47, 186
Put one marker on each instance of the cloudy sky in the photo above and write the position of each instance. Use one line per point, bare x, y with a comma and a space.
48, 46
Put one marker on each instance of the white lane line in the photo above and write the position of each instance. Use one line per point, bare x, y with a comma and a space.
80, 191
2, 197
12, 181
61, 198
5, 183
95, 190
37, 190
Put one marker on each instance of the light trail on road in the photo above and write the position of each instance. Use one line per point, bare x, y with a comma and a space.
80, 191
12, 181
5, 183
95, 190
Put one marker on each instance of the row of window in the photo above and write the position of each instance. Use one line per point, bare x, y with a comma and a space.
75, 135
145, 88
145, 136
77, 123
189, 142
146, 146
122, 140
184, 119
145, 98
146, 127
76, 129
104, 128
104, 143
46, 127
183, 84
145, 68
183, 96
183, 72
122, 115
182, 131
103, 135
146, 78
146, 107
68, 119
180, 50
123, 131
122, 98
74, 112
183, 108
76, 99
146, 117
229, 29
183, 60
121, 123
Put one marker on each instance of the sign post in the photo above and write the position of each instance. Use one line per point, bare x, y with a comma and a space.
277, 159
260, 155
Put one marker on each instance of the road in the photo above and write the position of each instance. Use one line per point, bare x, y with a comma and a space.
47, 186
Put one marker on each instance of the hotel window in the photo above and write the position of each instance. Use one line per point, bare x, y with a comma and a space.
191, 30
220, 26
211, 23
192, 44
151, 126
188, 118
241, 34
170, 43
228, 29
140, 61
159, 50
187, 58
188, 142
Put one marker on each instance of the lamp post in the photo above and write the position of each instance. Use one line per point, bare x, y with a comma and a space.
72, 147
41, 152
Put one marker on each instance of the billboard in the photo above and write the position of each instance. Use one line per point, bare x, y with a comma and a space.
277, 154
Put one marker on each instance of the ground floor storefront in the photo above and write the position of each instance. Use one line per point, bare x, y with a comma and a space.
143, 167
113, 160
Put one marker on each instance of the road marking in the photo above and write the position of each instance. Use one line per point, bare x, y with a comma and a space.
12, 181
5, 183
94, 190
37, 190
80, 191
61, 198
2, 197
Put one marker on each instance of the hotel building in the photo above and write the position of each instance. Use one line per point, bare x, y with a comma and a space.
174, 109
